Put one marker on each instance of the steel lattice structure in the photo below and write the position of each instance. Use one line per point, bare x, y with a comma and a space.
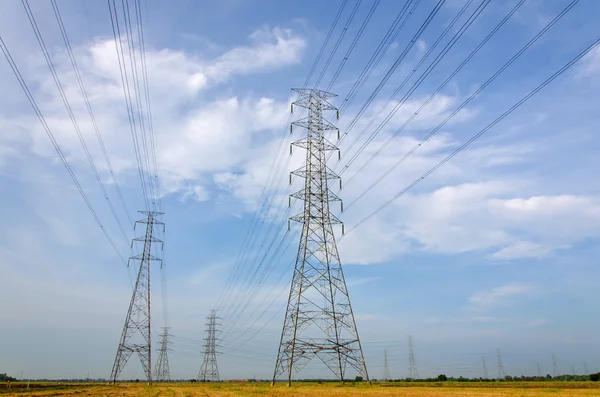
319, 320
138, 315
386, 368
162, 373
209, 370
413, 372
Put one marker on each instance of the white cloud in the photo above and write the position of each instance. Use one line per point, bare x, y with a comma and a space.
194, 137
522, 249
590, 64
499, 296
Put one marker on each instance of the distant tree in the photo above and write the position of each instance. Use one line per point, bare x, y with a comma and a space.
358, 379
595, 377
442, 378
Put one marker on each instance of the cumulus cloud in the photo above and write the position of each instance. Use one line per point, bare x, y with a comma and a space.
499, 296
522, 249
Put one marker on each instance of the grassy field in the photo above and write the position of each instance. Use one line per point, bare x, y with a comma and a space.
530, 389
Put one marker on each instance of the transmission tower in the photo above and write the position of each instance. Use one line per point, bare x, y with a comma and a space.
555, 366
413, 372
138, 315
209, 371
501, 373
539, 370
585, 369
386, 369
162, 372
319, 320
485, 374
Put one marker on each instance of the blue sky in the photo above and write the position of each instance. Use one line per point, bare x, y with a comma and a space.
494, 250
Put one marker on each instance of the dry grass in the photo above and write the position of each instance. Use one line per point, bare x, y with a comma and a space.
310, 390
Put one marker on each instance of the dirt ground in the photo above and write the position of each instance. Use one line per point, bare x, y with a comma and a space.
531, 389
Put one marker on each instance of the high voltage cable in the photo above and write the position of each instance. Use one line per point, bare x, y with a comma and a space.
88, 106
459, 108
479, 134
457, 35
397, 26
250, 235
400, 20
127, 93
325, 42
353, 44
433, 95
338, 42
235, 274
379, 53
250, 291
395, 65
136, 88
42, 120
67, 105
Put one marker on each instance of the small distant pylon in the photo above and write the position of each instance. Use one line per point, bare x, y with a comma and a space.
485, 373
138, 315
585, 369
539, 370
162, 372
555, 366
501, 373
386, 369
209, 371
413, 372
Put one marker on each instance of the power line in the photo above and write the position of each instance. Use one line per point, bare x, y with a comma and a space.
127, 93
424, 75
57, 148
480, 133
88, 104
463, 104
67, 105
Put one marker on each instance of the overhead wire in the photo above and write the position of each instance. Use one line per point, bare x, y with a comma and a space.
266, 197
414, 69
399, 23
55, 144
69, 110
236, 274
116, 29
89, 107
478, 135
458, 108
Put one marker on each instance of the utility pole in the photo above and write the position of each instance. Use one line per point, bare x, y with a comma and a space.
163, 373
386, 369
138, 315
555, 366
485, 374
501, 373
413, 372
209, 371
323, 327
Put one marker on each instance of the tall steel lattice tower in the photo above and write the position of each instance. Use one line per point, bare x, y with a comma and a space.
138, 315
386, 368
501, 373
555, 366
485, 374
162, 373
413, 372
209, 371
319, 321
